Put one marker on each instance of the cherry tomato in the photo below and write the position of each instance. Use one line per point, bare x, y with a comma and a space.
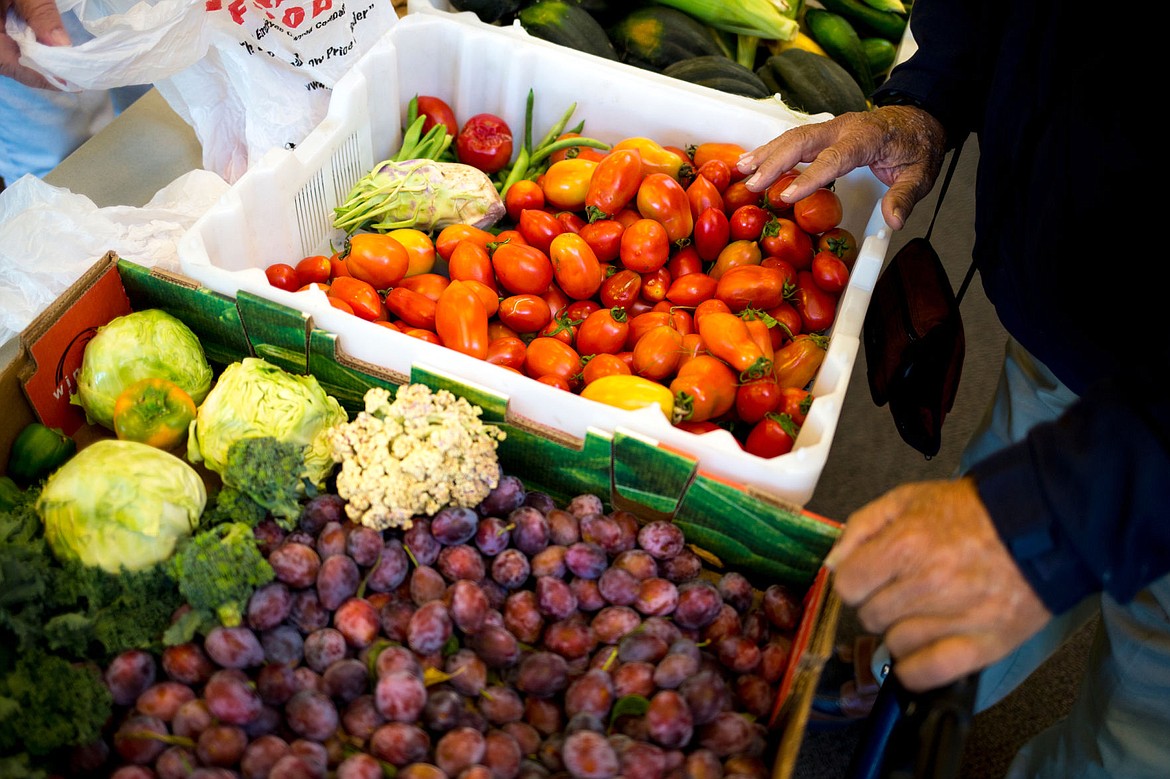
575, 266
522, 269
523, 194
437, 111
614, 184
508, 351
750, 286
461, 321
604, 237
552, 357
818, 212
840, 242
314, 269
645, 246
604, 331
747, 223
283, 276
566, 183
785, 239
664, 200
657, 353
620, 289
603, 364
829, 272
702, 194
361, 296
754, 399
772, 436
413, 308
817, 308
538, 227
484, 142
737, 194
524, 313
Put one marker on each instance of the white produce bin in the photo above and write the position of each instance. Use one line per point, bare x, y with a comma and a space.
281, 210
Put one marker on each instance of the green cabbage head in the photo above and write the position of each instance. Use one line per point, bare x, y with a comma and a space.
144, 344
120, 505
254, 398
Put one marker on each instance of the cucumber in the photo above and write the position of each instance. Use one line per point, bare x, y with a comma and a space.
881, 54
869, 21
719, 72
656, 36
812, 83
838, 38
567, 24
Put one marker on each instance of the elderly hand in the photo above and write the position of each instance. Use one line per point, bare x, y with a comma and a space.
44, 20
903, 145
924, 565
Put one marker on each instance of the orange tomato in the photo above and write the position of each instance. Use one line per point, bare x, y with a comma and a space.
735, 254
657, 353
360, 296
645, 246
376, 258
523, 194
461, 321
727, 153
603, 364
614, 184
728, 338
450, 236
413, 308
664, 200
750, 286
522, 269
704, 389
655, 158
419, 247
507, 351
552, 357
575, 267
566, 183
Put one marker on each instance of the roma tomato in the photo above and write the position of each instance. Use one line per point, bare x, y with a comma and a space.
563, 328
702, 194
487, 295
816, 307
784, 238
645, 246
523, 194
360, 296
644, 323
726, 153
621, 289
153, 411
655, 158
772, 436
727, 337
829, 272
750, 286
604, 237
614, 184
685, 260
524, 313
664, 200
840, 242
655, 284
746, 223
775, 189
413, 308
704, 389
734, 255
605, 331
522, 269
737, 194
429, 284
538, 228
557, 299
818, 212
552, 357
691, 289
718, 173
712, 232
283, 276
451, 235
754, 399
470, 261
796, 364
571, 221
714, 305
507, 351
566, 183
575, 266
437, 111
316, 269
419, 247
461, 321
788, 322
630, 392
484, 142
602, 364
657, 353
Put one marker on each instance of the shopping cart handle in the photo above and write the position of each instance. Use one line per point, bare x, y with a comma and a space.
915, 735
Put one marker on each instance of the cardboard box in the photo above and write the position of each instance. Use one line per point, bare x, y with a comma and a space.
765, 540
282, 210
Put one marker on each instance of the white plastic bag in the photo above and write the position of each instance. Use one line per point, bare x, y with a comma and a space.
247, 75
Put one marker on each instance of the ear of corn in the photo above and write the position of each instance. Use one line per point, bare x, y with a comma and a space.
760, 18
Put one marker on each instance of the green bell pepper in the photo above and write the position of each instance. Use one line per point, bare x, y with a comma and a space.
38, 451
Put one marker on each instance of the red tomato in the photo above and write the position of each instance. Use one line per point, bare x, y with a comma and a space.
461, 321
469, 260
283, 276
772, 436
717, 172
657, 353
552, 357
818, 212
579, 310
754, 399
604, 331
789, 318
664, 200
359, 295
315, 269
840, 242
726, 153
437, 111
571, 221
795, 402
645, 246
484, 142
615, 183
772, 193
575, 266
523, 194
829, 272
750, 286
603, 364
450, 236
508, 351
604, 237
524, 313
538, 228
711, 233
377, 258
737, 194
685, 260
702, 194
816, 307
562, 328
654, 285
785, 239
522, 269
691, 289
704, 389
556, 298
413, 308
746, 223
337, 267
621, 289
786, 271
429, 284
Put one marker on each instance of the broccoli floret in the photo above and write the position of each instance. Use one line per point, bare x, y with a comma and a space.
48, 703
414, 455
218, 569
261, 476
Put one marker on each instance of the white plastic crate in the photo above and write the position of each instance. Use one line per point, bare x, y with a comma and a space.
281, 210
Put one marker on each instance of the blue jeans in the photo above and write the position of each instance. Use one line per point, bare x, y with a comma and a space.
1119, 725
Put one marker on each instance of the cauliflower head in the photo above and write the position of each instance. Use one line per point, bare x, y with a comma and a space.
416, 454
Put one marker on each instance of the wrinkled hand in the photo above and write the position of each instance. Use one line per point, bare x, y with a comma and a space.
44, 20
924, 565
904, 146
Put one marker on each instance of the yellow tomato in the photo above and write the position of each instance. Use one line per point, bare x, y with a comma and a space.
630, 392
566, 183
419, 247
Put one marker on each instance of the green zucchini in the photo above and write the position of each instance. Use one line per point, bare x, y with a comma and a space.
812, 83
869, 21
656, 36
841, 42
567, 24
489, 11
719, 72
881, 54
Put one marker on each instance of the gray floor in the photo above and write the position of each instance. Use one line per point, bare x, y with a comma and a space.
868, 457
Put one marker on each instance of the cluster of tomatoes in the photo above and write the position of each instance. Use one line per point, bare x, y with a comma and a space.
651, 267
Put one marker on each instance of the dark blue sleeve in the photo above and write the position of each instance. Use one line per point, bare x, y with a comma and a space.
1083, 502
